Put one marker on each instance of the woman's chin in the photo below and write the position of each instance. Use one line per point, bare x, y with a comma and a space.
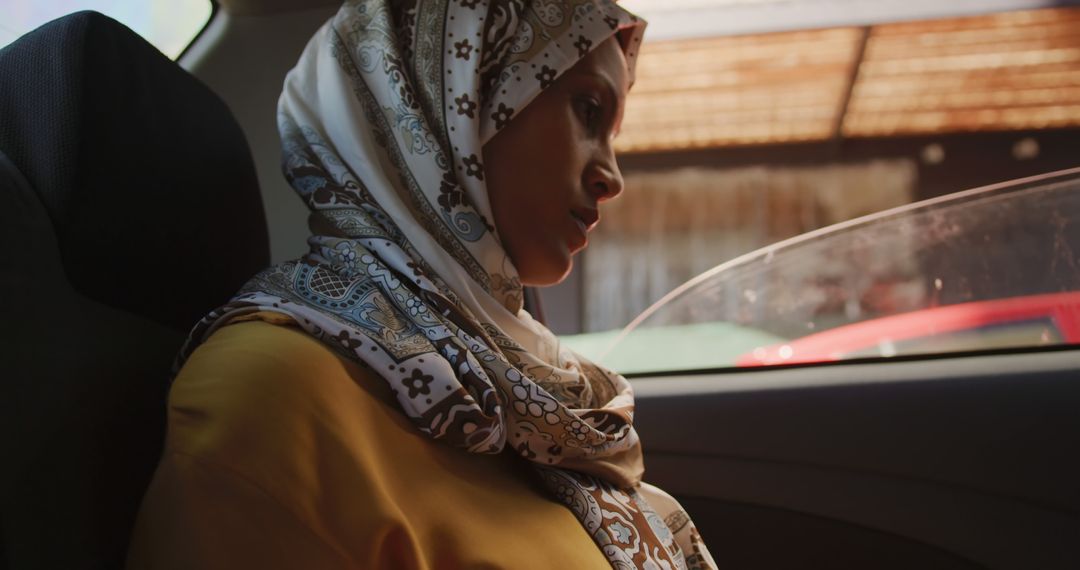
547, 274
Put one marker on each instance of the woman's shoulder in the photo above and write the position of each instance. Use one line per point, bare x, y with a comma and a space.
267, 422
255, 384
260, 360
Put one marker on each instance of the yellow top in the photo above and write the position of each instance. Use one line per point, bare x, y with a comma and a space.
281, 454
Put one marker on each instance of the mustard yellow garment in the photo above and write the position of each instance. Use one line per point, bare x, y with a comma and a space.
280, 454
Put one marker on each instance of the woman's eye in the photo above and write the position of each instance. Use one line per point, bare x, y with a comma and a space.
590, 113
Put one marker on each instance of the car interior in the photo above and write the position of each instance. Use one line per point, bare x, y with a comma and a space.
138, 193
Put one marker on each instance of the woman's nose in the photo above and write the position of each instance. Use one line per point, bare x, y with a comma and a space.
606, 180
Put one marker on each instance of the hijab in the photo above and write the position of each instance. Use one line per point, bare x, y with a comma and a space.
383, 121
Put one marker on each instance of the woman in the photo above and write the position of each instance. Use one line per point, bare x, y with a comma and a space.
385, 402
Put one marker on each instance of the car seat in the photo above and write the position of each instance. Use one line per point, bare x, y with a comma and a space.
129, 208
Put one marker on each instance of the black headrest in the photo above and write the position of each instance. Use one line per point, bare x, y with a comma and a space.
129, 208
145, 175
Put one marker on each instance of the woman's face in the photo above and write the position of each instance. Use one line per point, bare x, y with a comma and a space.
549, 169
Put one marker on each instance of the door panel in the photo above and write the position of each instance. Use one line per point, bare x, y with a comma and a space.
957, 462
753, 536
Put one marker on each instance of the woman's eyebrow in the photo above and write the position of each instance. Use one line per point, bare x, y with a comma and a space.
609, 85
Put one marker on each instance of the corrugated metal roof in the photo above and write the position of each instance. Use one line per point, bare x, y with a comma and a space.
1018, 70
1015, 70
738, 90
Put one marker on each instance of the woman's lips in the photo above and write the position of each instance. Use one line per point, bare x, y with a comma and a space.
588, 217
582, 239
584, 224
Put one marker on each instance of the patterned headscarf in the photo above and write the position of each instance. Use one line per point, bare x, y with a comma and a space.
383, 123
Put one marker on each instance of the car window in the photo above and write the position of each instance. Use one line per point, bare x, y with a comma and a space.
759, 125
990, 268
170, 25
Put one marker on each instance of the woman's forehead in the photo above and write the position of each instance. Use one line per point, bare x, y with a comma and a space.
606, 61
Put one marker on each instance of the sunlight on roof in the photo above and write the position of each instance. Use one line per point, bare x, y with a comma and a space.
997, 72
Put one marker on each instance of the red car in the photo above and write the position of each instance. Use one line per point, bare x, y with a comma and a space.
1011, 322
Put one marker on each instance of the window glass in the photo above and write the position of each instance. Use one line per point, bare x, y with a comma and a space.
991, 268
169, 25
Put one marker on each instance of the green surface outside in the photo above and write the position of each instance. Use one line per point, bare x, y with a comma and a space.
678, 347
